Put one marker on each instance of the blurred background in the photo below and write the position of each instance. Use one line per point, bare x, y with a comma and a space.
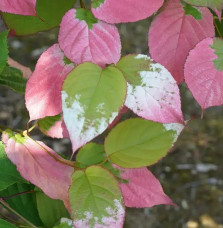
191, 174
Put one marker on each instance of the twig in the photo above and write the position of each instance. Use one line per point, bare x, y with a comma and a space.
16, 213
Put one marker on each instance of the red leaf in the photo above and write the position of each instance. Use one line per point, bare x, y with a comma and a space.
173, 34
203, 79
116, 11
143, 189
22, 7
43, 97
99, 44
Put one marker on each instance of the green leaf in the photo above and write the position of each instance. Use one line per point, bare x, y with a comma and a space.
91, 99
95, 198
46, 123
49, 15
96, 3
193, 11
5, 224
24, 204
9, 174
3, 50
94, 154
213, 4
218, 50
137, 142
218, 26
87, 16
90, 154
13, 78
132, 65
50, 210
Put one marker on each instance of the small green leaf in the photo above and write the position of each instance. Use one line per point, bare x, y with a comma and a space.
46, 123
191, 10
87, 16
50, 210
90, 154
95, 198
96, 3
5, 224
13, 78
9, 174
218, 50
24, 204
137, 142
3, 50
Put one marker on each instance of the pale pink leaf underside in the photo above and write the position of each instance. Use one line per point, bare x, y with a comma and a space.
172, 35
203, 79
116, 11
43, 89
38, 167
22, 7
100, 45
143, 189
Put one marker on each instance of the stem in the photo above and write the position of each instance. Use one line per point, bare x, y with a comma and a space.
3, 128
58, 159
16, 213
215, 24
82, 4
17, 194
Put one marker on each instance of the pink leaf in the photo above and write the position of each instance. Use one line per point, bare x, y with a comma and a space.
58, 130
172, 35
203, 79
99, 43
218, 13
143, 189
116, 11
22, 7
43, 97
153, 94
38, 166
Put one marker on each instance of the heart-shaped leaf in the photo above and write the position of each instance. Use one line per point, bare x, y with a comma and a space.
173, 34
204, 72
95, 199
116, 11
91, 99
135, 143
85, 39
152, 92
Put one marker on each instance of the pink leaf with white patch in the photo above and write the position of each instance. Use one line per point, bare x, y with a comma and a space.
173, 34
39, 164
143, 189
43, 97
203, 79
98, 43
152, 91
22, 7
116, 11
